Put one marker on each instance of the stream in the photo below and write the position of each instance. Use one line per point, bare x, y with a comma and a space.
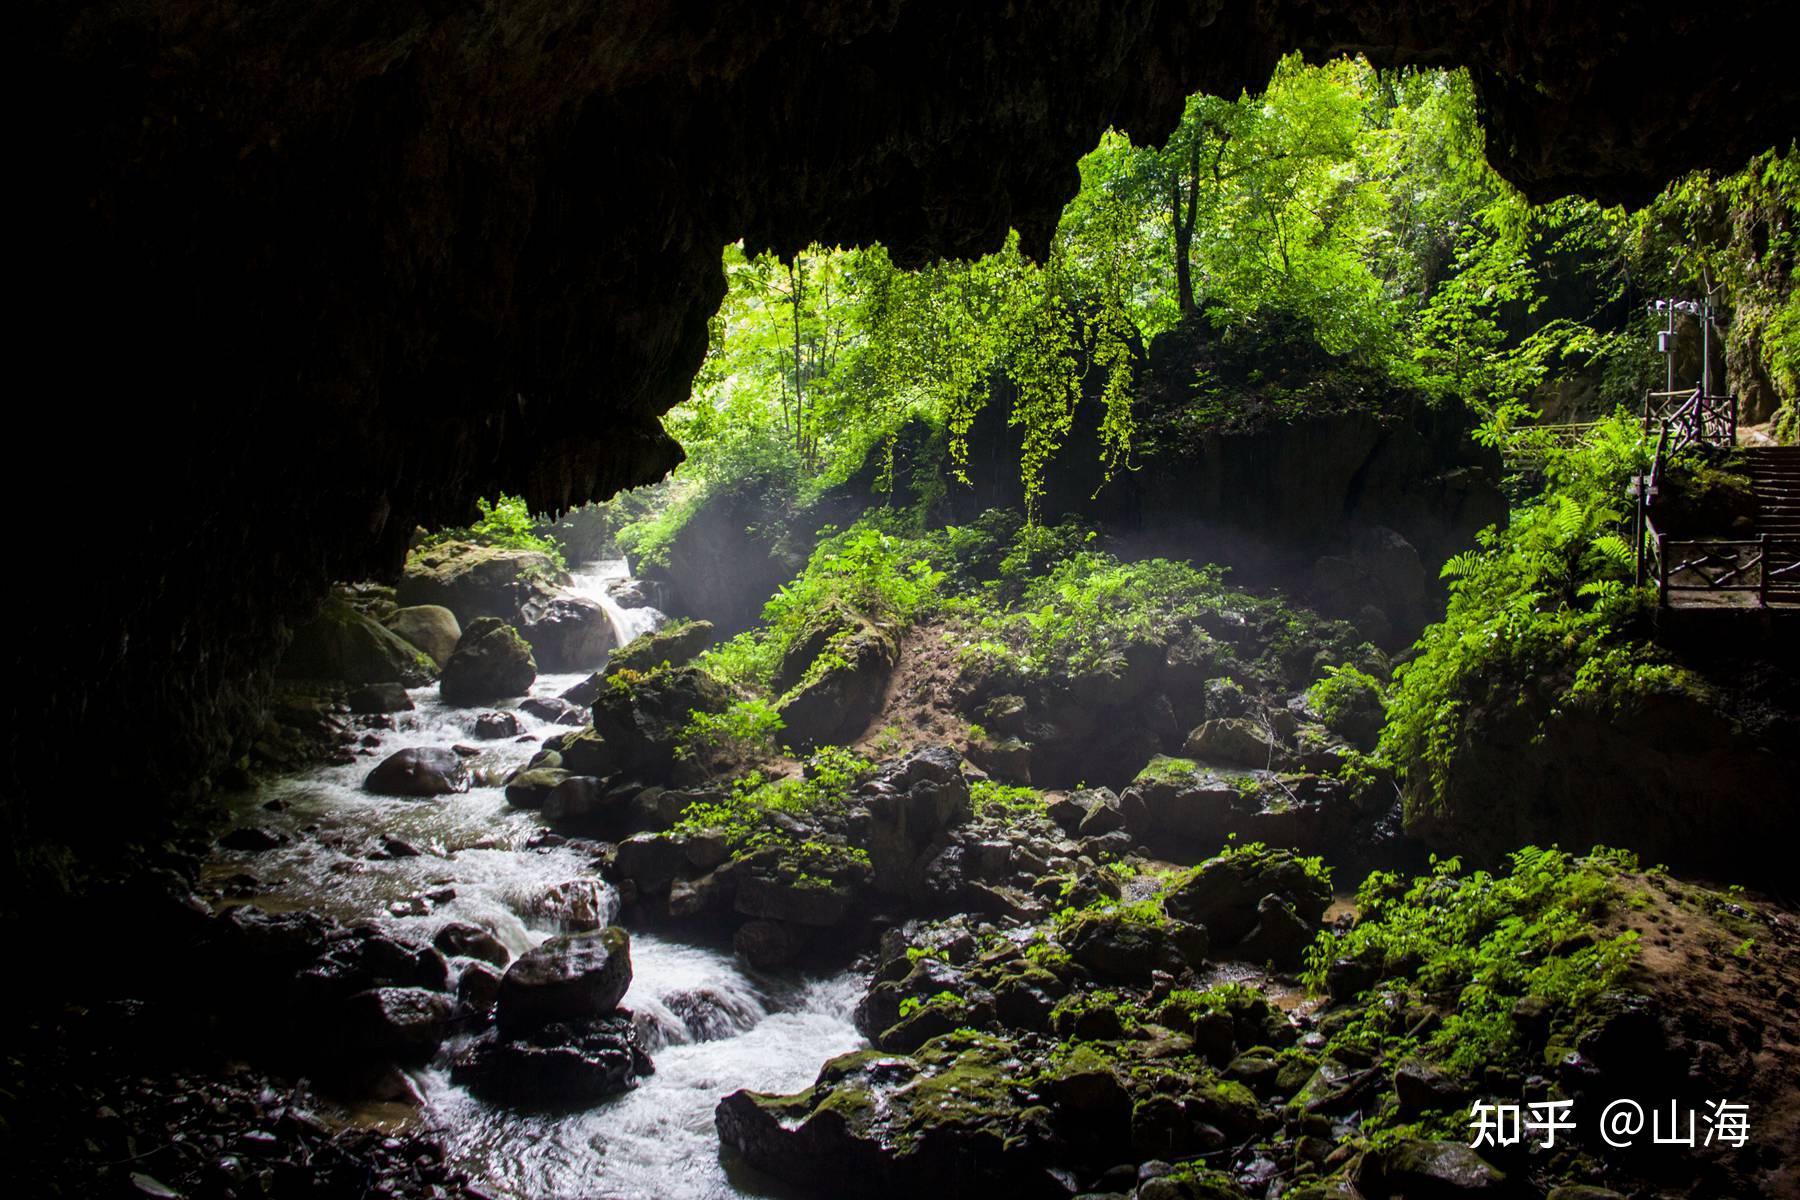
711, 1026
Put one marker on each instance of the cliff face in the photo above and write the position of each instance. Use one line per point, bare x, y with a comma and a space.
301, 274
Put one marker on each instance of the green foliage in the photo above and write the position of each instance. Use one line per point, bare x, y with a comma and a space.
746, 818
505, 523
870, 573
989, 798
1538, 621
1478, 943
1342, 689
746, 727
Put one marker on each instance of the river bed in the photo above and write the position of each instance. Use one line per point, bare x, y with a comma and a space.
711, 1026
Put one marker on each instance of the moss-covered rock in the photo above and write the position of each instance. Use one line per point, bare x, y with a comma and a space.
491, 662
676, 644
841, 688
639, 718
343, 644
432, 628
479, 581
1223, 893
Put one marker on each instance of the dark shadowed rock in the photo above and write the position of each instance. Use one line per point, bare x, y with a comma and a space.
459, 939
568, 634
765, 945
1223, 893
560, 1065
492, 726
419, 771
406, 1024
492, 662
379, 698
571, 977
1231, 742
1423, 1170
344, 645
676, 643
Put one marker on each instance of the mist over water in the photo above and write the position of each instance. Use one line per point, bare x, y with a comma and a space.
711, 1026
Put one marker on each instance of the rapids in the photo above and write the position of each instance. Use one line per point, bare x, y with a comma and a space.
711, 1026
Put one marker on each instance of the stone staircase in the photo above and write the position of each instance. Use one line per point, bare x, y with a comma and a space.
1775, 478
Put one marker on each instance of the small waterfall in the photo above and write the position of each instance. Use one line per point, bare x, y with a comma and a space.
597, 580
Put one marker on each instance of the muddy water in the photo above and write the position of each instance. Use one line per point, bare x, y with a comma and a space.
711, 1026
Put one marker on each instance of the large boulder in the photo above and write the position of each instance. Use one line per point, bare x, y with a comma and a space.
574, 977
842, 689
492, 662
568, 634
430, 627
1223, 893
640, 719
405, 1024
555, 1066
345, 645
675, 643
1232, 742
901, 813
479, 581
419, 771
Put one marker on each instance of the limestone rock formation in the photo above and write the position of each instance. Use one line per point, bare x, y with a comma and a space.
492, 662
431, 627
478, 249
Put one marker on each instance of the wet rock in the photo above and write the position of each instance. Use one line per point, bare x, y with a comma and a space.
406, 1024
571, 977
459, 939
492, 726
587, 804
1226, 698
344, 645
379, 698
1280, 937
491, 662
478, 581
575, 906
676, 643
651, 861
765, 945
567, 634
1231, 741
833, 705
553, 709
419, 771
269, 946
253, 838
431, 628
946, 1119
1223, 893
1426, 1170
478, 988
640, 723
366, 959
563, 1064
530, 787
1421, 1087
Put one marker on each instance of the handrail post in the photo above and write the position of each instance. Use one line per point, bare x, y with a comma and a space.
1662, 573
1762, 570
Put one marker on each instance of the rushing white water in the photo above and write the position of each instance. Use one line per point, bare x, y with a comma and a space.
710, 1026
595, 581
